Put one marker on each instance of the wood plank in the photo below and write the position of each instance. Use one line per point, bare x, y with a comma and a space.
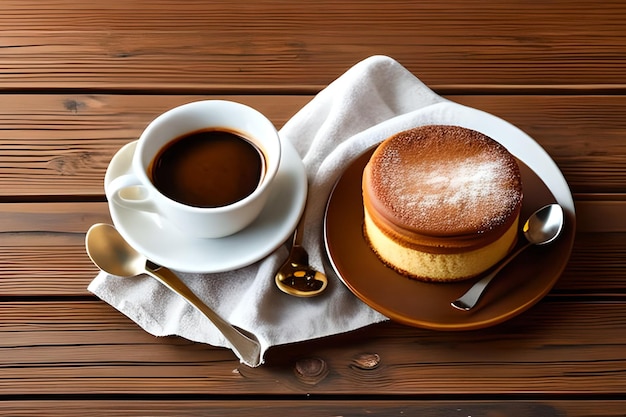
579, 407
70, 138
42, 249
234, 46
87, 348
605, 216
62, 144
79, 80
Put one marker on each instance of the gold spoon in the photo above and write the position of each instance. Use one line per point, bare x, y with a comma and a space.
542, 227
112, 254
295, 276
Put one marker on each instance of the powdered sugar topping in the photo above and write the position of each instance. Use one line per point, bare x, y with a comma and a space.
471, 186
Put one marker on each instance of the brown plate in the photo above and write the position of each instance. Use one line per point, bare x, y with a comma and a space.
520, 285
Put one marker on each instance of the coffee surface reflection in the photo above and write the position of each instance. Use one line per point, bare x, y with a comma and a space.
208, 168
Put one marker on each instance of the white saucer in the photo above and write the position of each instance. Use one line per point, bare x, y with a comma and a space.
163, 244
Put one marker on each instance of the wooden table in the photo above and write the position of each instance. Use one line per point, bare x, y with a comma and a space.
78, 80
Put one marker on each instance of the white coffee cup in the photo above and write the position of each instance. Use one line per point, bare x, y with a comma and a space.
136, 190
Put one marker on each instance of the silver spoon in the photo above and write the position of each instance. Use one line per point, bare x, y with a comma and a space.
112, 254
542, 227
295, 276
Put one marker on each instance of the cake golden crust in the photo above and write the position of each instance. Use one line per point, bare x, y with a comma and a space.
443, 190
434, 266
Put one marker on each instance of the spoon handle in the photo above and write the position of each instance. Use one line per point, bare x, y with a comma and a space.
248, 348
468, 300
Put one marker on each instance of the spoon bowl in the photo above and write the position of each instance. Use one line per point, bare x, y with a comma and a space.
296, 277
111, 253
541, 228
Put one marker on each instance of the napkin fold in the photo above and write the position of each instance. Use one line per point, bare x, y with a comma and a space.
374, 99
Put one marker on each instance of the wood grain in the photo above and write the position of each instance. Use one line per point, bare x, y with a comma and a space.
78, 80
55, 146
42, 250
280, 45
316, 408
89, 348
60, 145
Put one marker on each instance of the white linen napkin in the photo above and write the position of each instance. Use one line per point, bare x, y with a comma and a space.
372, 100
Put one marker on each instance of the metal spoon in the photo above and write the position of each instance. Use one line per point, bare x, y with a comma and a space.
542, 227
112, 254
295, 276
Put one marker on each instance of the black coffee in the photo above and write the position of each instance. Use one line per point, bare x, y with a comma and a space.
208, 168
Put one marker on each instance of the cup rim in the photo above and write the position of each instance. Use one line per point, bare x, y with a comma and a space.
270, 169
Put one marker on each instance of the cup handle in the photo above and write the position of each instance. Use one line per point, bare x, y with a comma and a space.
127, 191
